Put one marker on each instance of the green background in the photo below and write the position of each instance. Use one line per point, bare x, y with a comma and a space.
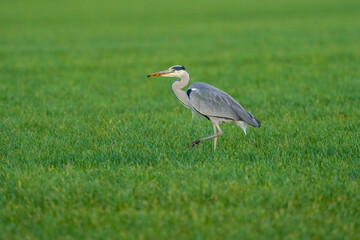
91, 148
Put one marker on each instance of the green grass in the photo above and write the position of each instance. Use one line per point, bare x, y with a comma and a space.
92, 149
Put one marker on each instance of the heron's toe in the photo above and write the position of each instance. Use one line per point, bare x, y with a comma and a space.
194, 143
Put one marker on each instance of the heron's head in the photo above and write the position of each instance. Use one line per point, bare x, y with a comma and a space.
174, 71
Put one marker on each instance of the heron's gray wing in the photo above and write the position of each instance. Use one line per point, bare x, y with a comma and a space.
213, 102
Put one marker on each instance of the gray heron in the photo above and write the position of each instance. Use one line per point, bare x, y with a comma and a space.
209, 102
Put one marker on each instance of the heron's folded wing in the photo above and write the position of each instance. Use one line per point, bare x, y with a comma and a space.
213, 102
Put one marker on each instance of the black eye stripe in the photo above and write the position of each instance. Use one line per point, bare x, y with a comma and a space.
178, 68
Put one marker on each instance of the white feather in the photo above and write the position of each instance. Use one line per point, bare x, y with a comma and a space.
243, 125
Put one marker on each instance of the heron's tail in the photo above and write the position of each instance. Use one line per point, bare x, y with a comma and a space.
244, 125
253, 121
258, 122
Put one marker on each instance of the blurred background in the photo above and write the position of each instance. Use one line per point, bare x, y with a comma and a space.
110, 46
85, 62
82, 65
91, 147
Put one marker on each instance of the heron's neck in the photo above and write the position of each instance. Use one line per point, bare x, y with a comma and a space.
182, 82
178, 85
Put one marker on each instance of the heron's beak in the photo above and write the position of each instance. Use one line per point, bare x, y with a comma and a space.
159, 73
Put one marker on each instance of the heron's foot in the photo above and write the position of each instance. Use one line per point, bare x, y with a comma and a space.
194, 143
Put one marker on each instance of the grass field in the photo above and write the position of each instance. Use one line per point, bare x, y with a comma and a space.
92, 149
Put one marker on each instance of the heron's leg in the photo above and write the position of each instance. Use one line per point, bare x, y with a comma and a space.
215, 138
206, 138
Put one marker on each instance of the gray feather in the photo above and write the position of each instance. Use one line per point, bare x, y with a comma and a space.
213, 102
